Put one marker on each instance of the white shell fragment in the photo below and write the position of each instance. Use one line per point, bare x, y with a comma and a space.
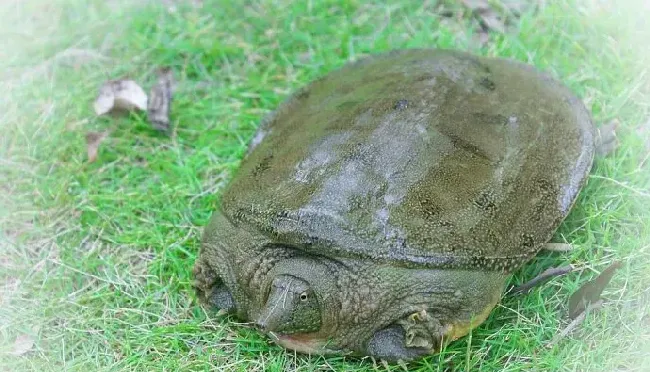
120, 95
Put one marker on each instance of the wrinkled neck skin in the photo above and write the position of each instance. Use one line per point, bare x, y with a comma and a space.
356, 297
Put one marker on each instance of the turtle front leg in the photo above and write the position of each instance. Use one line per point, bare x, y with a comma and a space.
422, 331
411, 337
210, 288
390, 344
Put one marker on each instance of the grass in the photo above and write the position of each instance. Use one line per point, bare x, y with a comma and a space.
96, 258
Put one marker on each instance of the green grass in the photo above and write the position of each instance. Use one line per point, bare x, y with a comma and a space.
96, 258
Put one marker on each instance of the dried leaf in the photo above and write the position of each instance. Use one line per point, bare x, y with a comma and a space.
606, 141
491, 20
160, 100
486, 15
23, 344
590, 292
93, 140
120, 95
541, 278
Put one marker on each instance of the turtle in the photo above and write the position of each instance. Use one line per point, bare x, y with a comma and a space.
380, 209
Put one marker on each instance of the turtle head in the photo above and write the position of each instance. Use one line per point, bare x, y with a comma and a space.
299, 304
291, 307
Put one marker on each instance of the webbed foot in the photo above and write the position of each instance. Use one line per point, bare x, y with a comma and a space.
416, 335
211, 290
422, 330
389, 344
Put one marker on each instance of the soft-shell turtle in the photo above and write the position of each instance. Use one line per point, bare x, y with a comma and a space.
380, 209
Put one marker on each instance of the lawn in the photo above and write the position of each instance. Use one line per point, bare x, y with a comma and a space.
96, 258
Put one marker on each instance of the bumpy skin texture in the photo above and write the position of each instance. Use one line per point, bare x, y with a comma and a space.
394, 196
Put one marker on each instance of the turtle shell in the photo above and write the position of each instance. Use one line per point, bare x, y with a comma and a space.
425, 158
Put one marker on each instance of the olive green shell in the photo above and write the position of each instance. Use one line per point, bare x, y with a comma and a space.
431, 158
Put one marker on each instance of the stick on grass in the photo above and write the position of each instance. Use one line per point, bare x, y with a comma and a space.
541, 278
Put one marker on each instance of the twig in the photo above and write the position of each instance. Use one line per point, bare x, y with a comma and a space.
558, 247
541, 278
579, 319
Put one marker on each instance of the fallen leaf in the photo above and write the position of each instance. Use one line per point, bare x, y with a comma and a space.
23, 344
496, 15
491, 20
541, 278
606, 140
120, 95
93, 140
160, 100
590, 292
486, 15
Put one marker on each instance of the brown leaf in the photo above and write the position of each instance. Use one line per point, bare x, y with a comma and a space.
590, 292
120, 95
486, 15
491, 20
93, 140
160, 100
23, 344
606, 141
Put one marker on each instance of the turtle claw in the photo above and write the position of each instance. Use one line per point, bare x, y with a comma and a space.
414, 338
421, 330
418, 316
389, 344
211, 290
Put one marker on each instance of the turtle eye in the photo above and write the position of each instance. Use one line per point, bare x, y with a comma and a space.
303, 296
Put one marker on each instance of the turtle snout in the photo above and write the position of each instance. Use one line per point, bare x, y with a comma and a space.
260, 324
266, 324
